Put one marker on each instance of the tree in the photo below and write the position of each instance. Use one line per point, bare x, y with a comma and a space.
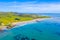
17, 19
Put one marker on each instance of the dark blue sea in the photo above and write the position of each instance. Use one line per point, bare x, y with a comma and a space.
48, 29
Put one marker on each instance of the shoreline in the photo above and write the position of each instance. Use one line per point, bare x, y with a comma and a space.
26, 22
15, 24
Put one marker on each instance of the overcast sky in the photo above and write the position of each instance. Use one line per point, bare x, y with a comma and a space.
30, 6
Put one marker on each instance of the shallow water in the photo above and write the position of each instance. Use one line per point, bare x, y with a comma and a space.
48, 29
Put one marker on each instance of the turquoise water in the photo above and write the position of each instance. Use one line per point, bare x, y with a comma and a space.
48, 29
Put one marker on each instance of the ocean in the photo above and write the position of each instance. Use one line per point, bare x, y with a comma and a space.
48, 29
50, 14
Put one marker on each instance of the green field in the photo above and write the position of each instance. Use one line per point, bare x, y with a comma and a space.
9, 17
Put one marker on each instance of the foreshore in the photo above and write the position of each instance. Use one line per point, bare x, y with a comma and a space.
15, 24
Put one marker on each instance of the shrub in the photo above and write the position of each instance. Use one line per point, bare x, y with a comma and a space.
17, 19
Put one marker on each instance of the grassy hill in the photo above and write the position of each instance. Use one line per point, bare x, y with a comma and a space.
9, 17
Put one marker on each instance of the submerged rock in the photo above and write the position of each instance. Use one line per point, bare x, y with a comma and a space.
58, 33
17, 37
33, 39
20, 37
24, 38
2, 31
38, 30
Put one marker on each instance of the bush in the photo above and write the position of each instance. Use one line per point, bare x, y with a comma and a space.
17, 19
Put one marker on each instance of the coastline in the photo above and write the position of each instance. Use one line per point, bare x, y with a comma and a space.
27, 22
15, 24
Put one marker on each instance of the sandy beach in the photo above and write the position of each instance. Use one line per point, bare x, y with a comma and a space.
15, 24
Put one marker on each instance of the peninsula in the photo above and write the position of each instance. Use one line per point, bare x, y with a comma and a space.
9, 20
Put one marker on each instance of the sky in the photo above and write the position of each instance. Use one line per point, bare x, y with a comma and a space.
30, 6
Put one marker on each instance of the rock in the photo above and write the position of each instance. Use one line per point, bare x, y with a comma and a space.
20, 37
33, 39
38, 30
17, 37
58, 33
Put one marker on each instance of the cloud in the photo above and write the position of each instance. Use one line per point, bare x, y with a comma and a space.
38, 8
31, 7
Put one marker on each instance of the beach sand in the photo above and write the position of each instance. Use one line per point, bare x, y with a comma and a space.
22, 23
